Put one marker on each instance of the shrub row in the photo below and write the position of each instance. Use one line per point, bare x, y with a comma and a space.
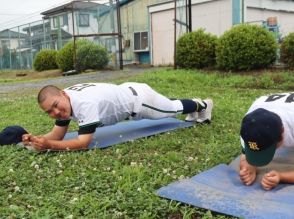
243, 47
88, 56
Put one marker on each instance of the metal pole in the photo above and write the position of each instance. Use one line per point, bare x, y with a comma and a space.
119, 34
31, 45
44, 35
10, 62
175, 33
19, 52
190, 15
74, 38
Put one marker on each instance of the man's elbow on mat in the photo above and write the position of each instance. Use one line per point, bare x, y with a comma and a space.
85, 140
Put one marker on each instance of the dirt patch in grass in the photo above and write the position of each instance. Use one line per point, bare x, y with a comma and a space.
29, 74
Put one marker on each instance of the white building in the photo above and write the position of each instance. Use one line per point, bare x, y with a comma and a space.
215, 16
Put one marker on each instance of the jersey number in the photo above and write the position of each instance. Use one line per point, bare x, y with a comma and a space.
80, 87
274, 97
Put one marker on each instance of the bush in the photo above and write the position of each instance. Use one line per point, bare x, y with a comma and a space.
287, 50
88, 54
246, 47
65, 57
45, 60
91, 56
196, 50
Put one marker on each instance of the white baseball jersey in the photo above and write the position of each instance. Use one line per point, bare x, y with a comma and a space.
95, 104
283, 105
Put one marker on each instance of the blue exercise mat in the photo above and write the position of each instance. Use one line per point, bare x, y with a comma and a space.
125, 131
219, 189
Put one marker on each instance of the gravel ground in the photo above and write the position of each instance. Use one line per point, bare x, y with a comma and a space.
101, 76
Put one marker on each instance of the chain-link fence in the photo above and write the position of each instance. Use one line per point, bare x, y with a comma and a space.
93, 20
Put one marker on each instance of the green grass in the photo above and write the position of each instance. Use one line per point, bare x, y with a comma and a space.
120, 182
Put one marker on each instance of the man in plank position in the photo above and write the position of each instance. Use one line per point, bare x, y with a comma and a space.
99, 104
268, 125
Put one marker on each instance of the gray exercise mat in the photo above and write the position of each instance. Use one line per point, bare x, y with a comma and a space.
130, 130
219, 189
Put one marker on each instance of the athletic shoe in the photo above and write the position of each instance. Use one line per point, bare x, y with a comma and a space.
205, 115
192, 117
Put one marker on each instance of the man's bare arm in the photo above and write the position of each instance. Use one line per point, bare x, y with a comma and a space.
57, 133
81, 142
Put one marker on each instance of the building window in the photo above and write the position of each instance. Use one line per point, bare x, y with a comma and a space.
84, 20
141, 41
63, 20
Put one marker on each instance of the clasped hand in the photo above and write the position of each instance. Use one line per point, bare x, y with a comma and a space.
39, 143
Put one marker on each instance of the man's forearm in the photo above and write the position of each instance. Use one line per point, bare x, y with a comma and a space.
73, 144
287, 177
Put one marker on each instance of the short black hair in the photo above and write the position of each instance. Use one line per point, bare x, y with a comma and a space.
48, 90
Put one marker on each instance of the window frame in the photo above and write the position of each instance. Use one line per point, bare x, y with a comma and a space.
141, 49
88, 20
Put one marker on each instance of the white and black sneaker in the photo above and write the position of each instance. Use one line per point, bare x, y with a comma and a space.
205, 115
192, 117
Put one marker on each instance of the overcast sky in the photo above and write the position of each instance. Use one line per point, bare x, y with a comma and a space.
16, 12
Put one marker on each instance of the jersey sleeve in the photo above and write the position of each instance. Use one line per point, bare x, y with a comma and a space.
88, 118
59, 122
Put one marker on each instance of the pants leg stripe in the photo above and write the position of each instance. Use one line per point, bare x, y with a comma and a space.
159, 110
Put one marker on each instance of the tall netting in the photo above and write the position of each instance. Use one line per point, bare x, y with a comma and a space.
182, 15
97, 21
105, 26
183, 21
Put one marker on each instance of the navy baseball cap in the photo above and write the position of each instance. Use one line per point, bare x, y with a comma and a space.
12, 135
261, 131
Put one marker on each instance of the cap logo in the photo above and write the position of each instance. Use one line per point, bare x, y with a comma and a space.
253, 146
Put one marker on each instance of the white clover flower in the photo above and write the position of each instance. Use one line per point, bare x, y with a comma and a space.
59, 172
117, 151
69, 216
36, 166
10, 170
155, 153
140, 165
174, 176
181, 177
113, 171
108, 168
190, 158
76, 188
165, 170
174, 172
149, 164
16, 189
73, 200
186, 167
83, 183
118, 213
33, 163
9, 196
133, 164
139, 189
94, 168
